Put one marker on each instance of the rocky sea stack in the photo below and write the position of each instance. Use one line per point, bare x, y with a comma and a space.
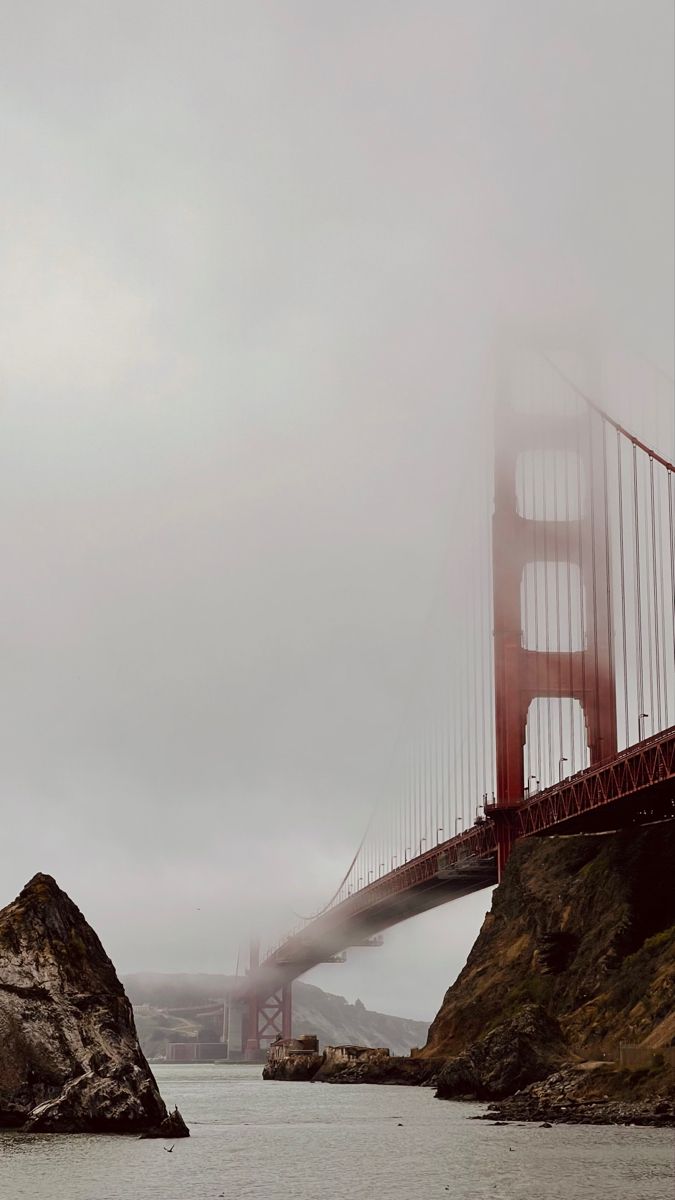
70, 1061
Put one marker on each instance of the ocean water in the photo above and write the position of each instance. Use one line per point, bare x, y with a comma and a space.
304, 1141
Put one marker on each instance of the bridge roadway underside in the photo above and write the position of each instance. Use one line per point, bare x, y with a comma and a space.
339, 930
636, 787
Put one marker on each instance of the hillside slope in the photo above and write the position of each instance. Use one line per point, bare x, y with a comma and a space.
189, 1007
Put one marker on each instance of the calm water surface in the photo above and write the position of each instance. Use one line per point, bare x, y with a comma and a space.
303, 1141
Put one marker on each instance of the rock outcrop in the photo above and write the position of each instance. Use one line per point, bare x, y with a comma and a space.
515, 1053
594, 1094
299, 1059
584, 927
380, 1068
293, 1059
576, 956
69, 1055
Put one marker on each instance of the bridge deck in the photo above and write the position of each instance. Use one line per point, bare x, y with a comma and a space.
636, 786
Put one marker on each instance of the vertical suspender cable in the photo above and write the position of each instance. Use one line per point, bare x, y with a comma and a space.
556, 565
571, 764
525, 592
671, 540
547, 627
650, 615
608, 578
623, 591
662, 592
473, 794
583, 565
534, 517
638, 595
657, 671
490, 632
482, 694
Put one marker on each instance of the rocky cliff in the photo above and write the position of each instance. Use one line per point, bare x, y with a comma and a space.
583, 926
576, 956
69, 1056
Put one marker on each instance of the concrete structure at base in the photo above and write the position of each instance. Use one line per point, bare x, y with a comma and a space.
283, 1049
344, 1054
232, 1017
191, 1052
234, 1028
300, 1058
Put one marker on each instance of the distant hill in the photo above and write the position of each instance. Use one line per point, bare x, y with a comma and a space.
172, 1008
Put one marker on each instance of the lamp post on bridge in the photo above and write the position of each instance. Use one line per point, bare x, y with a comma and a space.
425, 842
458, 821
560, 767
641, 726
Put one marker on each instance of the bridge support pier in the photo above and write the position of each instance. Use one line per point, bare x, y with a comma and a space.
505, 822
269, 1017
235, 1027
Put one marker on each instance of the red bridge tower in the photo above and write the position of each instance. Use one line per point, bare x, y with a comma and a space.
523, 674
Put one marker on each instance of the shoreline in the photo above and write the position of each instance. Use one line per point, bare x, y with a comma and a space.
576, 1094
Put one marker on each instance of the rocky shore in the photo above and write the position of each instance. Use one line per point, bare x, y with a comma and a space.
413, 1072
591, 1094
70, 1061
524, 1048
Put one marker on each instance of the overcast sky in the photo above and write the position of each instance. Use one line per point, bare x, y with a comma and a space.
253, 258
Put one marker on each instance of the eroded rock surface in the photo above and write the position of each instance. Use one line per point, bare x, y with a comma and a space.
294, 1068
521, 1050
576, 957
415, 1072
69, 1055
593, 1094
584, 927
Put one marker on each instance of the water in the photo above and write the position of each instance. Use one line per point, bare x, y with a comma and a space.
303, 1141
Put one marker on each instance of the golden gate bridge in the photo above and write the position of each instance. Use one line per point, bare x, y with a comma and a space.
551, 707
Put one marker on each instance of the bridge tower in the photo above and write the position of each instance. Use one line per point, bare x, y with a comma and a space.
270, 1010
522, 674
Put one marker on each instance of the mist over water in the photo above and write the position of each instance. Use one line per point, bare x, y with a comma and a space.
255, 262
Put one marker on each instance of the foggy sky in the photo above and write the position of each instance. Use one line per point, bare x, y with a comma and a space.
253, 258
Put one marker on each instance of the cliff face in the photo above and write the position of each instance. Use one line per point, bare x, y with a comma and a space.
69, 1055
582, 930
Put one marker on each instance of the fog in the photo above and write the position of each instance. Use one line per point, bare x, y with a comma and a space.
254, 260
